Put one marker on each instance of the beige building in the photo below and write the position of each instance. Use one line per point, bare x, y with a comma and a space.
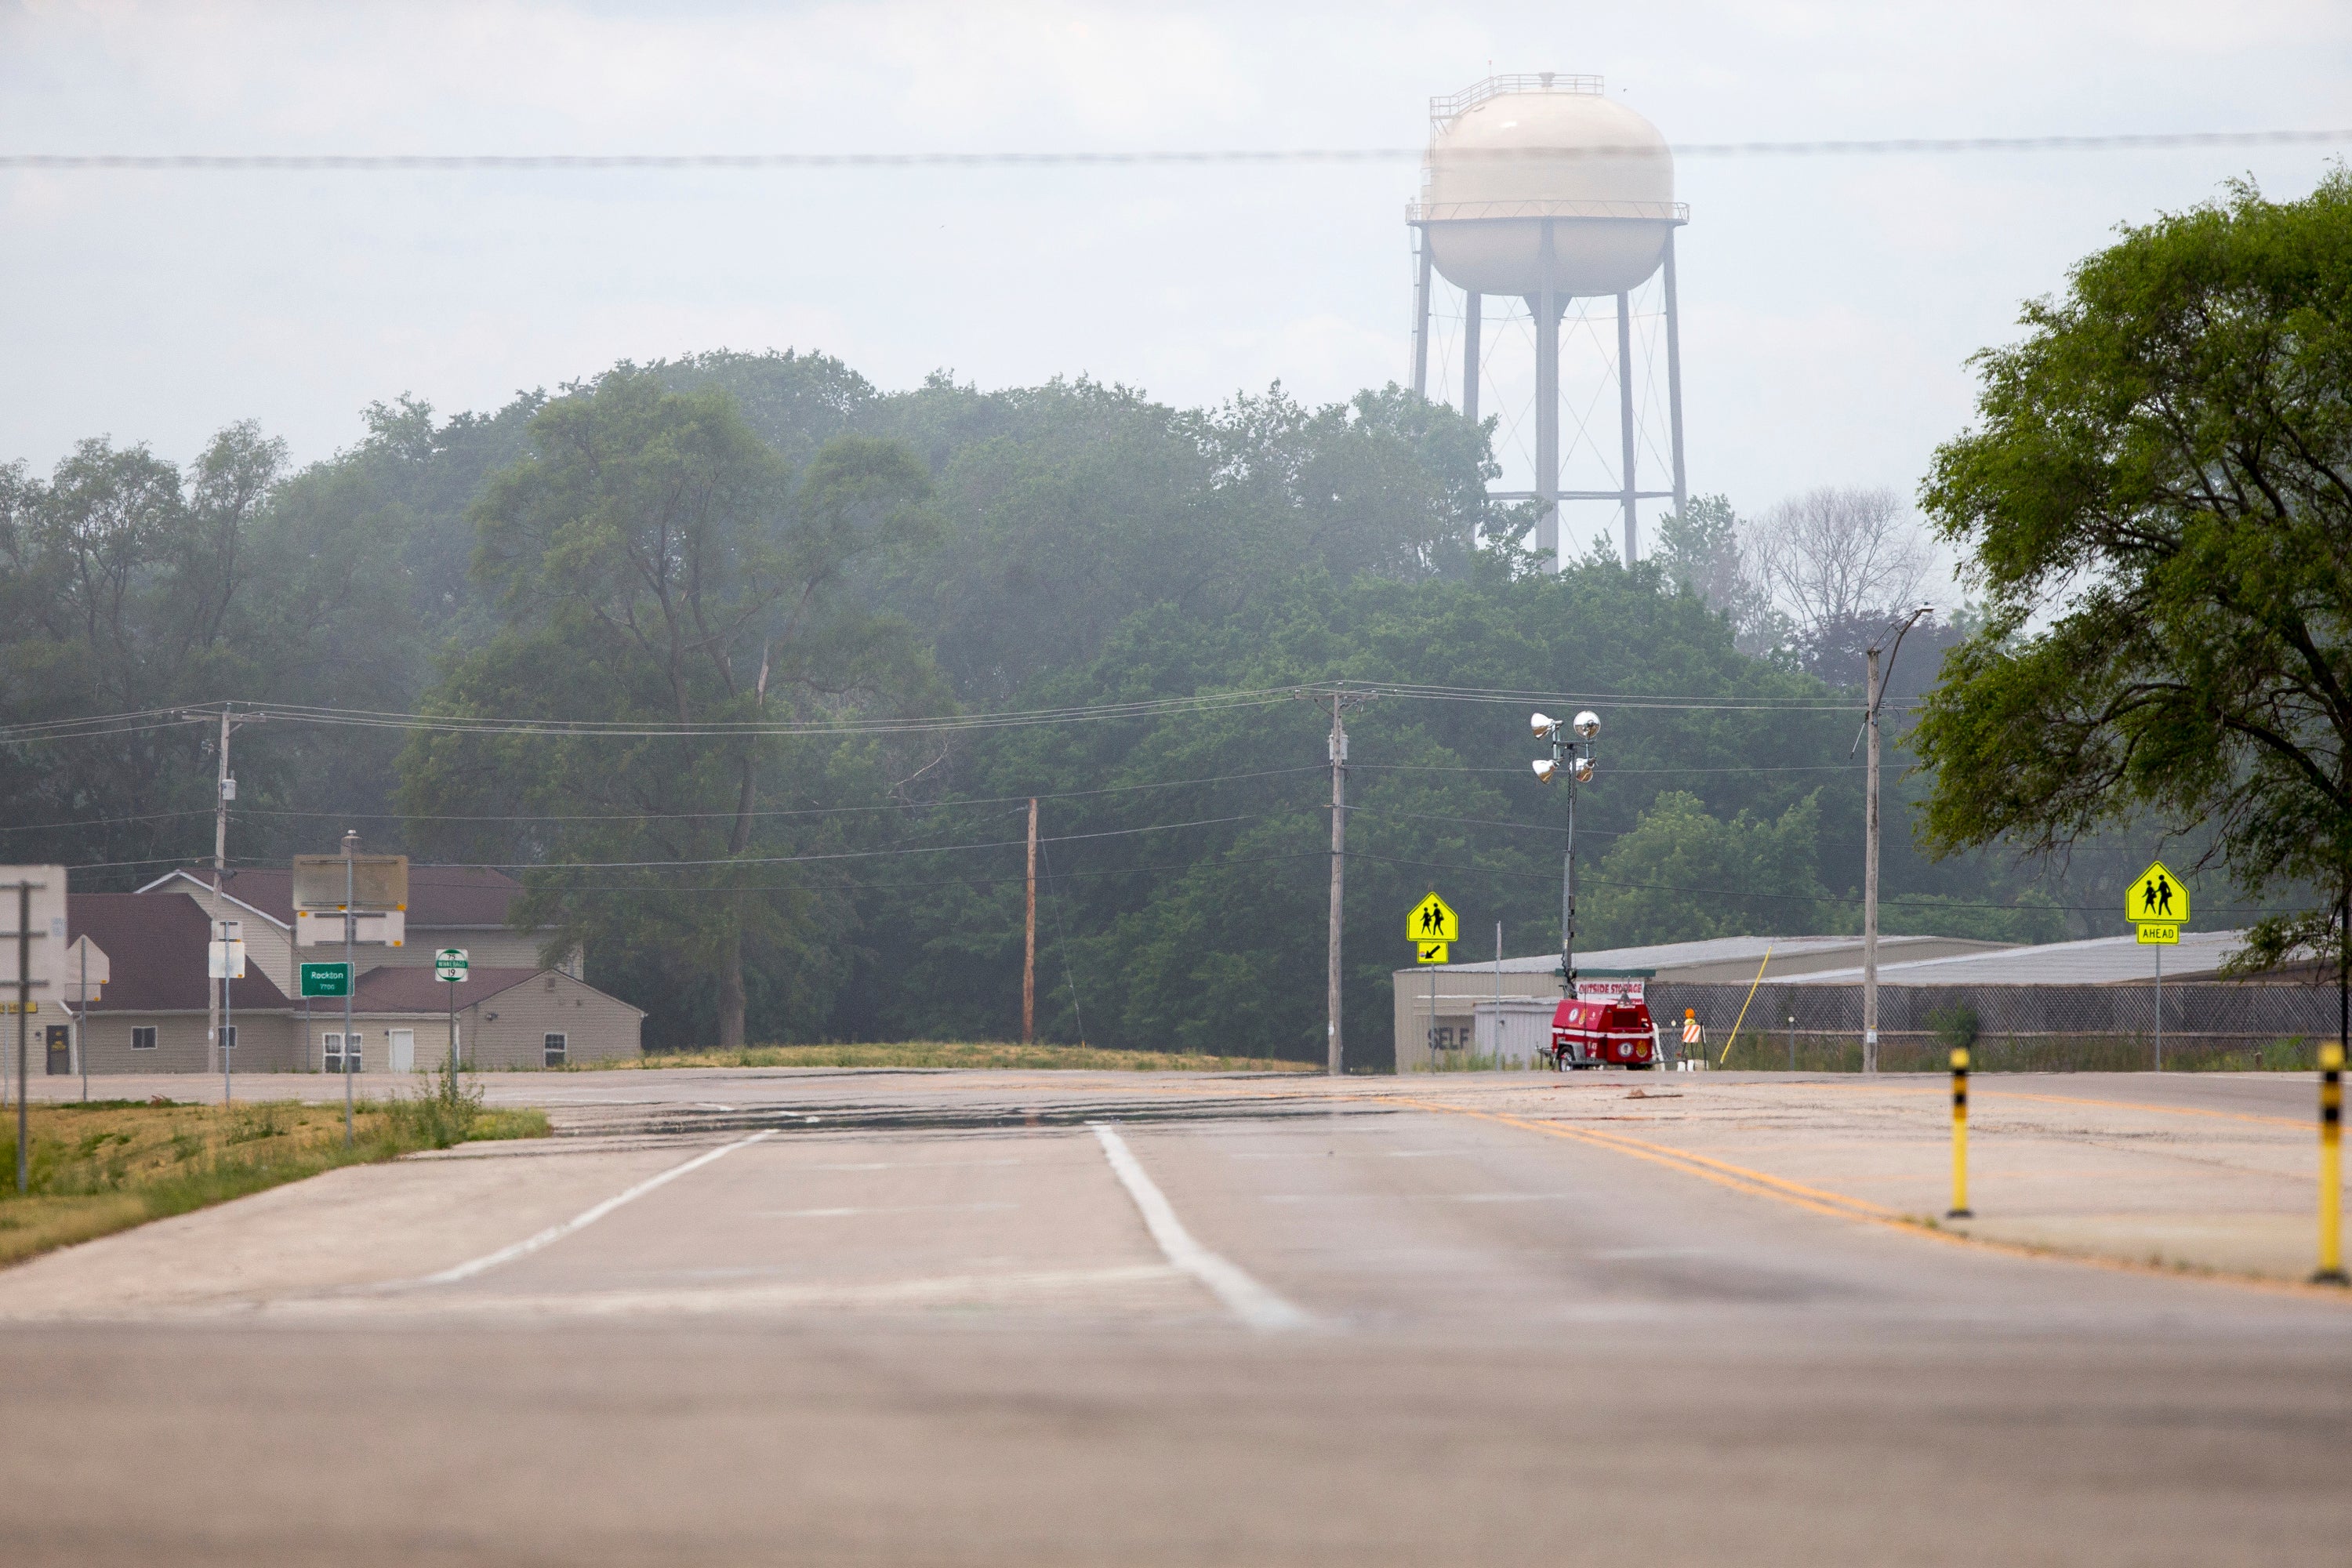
152, 1014
447, 907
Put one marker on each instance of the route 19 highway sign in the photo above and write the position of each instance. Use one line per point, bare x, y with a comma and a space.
450, 964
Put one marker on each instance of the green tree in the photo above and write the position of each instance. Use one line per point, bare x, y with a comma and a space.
2159, 502
129, 587
1701, 550
1682, 875
654, 564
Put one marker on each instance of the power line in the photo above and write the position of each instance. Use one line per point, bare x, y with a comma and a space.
829, 855
101, 725
583, 163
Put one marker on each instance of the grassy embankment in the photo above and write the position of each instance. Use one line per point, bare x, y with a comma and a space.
111, 1164
958, 1053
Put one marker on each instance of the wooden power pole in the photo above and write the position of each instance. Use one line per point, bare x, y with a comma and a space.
1339, 889
1029, 940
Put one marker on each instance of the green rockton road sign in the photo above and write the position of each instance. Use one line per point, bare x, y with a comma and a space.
326, 980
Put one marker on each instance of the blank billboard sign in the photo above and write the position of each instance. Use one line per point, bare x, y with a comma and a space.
376, 881
46, 952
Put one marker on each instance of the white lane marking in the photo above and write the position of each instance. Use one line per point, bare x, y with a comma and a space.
1247, 1299
901, 1208
554, 1233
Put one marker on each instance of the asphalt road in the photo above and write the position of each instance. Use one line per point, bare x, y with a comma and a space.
1025, 1319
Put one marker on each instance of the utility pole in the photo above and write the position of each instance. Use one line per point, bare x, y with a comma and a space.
224, 791
221, 797
1029, 940
1870, 875
1333, 1064
1335, 1057
1871, 692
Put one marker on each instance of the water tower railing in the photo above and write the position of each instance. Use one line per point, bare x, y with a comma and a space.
1426, 211
1443, 111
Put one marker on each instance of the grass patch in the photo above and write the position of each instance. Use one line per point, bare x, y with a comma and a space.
954, 1054
111, 1164
1471, 1061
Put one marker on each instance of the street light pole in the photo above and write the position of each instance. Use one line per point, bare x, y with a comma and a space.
1871, 694
1571, 754
350, 891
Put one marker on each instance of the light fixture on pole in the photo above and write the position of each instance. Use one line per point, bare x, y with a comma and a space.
1571, 757
1872, 692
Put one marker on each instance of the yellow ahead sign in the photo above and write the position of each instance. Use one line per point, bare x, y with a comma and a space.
1433, 920
2157, 898
2152, 934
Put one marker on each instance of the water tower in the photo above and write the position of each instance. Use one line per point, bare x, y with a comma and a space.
1539, 187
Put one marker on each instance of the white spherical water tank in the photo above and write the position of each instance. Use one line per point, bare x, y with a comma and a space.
1551, 147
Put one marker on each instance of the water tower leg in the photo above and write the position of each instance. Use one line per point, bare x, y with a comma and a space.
1675, 379
1421, 320
1471, 312
1547, 406
1625, 417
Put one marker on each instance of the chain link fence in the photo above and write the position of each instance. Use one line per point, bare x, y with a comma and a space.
2018, 1028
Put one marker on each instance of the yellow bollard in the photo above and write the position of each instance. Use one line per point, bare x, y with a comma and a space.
2331, 1166
1961, 1209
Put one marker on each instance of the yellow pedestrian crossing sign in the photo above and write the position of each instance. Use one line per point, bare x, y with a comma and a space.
2157, 898
1433, 920
1429, 952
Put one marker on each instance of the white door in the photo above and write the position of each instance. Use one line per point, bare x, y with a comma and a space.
401, 1042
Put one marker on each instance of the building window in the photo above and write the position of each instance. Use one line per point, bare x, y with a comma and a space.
228, 1036
144, 1039
335, 1058
555, 1050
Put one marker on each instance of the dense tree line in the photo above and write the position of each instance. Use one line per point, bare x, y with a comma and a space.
731, 540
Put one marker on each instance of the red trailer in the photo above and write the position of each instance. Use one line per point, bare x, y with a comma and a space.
1605, 1032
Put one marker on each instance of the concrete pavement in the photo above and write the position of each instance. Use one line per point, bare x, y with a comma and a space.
940, 1318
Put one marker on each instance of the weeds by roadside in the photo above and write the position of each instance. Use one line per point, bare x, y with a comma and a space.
1471, 1061
107, 1165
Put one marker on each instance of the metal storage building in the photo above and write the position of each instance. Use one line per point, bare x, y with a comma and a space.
1425, 1033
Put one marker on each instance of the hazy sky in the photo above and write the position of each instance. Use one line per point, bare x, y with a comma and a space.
1829, 303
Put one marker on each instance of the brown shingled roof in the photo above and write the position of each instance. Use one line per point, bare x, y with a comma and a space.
154, 946
410, 988
437, 895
